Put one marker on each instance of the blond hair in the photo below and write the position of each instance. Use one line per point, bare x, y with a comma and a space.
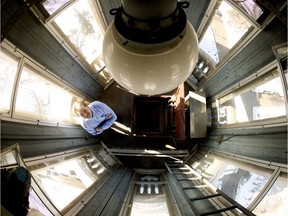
77, 106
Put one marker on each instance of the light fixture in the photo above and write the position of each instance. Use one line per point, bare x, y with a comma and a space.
150, 48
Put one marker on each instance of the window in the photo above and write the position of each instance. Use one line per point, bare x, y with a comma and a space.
52, 6
36, 203
274, 203
41, 99
228, 26
245, 180
263, 98
30, 93
11, 159
78, 24
242, 182
58, 179
8, 71
65, 180
250, 7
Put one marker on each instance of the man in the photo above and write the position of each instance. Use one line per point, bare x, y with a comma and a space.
97, 116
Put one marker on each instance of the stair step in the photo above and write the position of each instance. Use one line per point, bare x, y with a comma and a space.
219, 210
189, 179
178, 173
205, 197
195, 187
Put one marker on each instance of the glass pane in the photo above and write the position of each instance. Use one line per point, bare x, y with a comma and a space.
226, 29
262, 99
149, 199
65, 181
8, 158
8, 72
53, 5
239, 181
39, 98
80, 26
36, 203
250, 7
275, 202
281, 54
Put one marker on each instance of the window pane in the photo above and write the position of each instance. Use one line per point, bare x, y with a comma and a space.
36, 203
239, 181
9, 158
226, 29
251, 8
102, 74
65, 181
53, 5
273, 203
79, 25
262, 99
39, 98
8, 72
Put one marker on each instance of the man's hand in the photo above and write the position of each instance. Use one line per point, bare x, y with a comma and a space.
108, 116
99, 129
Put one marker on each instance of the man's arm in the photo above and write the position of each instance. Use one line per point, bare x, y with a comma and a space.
90, 130
110, 119
110, 116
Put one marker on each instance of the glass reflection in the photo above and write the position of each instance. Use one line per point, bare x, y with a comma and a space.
227, 27
51, 5
251, 8
78, 23
239, 181
273, 203
39, 98
261, 99
8, 71
66, 180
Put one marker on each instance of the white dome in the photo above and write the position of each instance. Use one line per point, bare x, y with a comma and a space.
150, 69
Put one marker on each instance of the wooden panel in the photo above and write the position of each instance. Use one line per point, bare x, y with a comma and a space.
196, 10
30, 36
109, 198
35, 140
118, 196
269, 144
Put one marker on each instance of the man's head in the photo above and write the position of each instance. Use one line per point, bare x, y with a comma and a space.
82, 109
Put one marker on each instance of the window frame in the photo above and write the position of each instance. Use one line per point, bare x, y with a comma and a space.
44, 73
269, 122
79, 202
14, 56
48, 21
276, 169
257, 25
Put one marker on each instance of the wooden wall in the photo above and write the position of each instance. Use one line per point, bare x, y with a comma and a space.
35, 140
109, 199
268, 144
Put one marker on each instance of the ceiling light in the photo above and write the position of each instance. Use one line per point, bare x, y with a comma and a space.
150, 48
